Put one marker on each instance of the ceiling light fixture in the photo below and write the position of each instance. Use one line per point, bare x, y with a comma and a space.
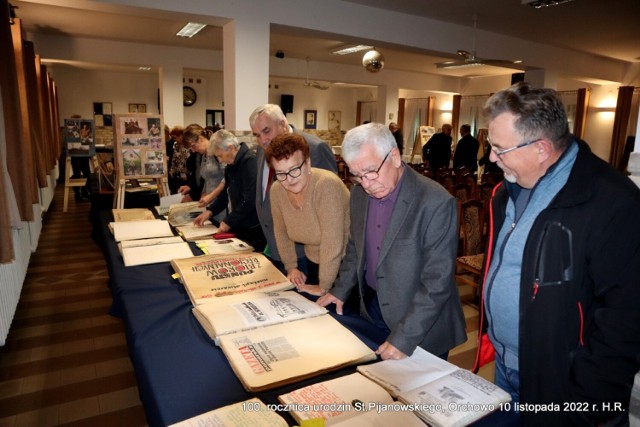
373, 61
544, 3
144, 68
190, 30
345, 50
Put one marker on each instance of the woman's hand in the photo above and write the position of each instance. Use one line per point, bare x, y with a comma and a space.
204, 201
296, 277
223, 227
184, 189
200, 219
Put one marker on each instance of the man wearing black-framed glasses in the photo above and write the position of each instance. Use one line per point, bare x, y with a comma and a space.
267, 122
401, 250
561, 290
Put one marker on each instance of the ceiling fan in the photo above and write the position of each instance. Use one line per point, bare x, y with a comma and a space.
469, 59
313, 84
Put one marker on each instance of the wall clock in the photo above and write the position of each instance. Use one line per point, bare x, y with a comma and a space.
189, 96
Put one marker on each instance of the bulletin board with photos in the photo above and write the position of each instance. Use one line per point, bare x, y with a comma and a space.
79, 137
140, 150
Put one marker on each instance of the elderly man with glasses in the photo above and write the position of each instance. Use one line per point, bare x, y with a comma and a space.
562, 285
401, 250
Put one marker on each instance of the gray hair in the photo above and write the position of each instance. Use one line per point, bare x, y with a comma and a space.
222, 140
272, 111
374, 134
539, 113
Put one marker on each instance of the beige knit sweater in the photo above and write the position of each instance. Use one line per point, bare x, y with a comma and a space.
321, 225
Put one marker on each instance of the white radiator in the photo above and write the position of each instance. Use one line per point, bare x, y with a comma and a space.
12, 277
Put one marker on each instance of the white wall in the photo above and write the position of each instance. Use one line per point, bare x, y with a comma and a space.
78, 89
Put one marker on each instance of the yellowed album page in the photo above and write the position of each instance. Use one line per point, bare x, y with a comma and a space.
249, 413
280, 354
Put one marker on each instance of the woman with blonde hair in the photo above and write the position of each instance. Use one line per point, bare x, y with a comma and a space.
207, 182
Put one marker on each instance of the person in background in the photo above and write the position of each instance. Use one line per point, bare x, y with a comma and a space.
169, 143
182, 164
485, 147
207, 182
561, 293
309, 206
81, 169
401, 251
237, 201
397, 135
466, 154
437, 151
267, 122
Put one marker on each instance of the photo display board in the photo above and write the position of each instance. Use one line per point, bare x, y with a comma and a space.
140, 150
79, 137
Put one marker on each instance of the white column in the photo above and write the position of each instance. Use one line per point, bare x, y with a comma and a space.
246, 69
170, 84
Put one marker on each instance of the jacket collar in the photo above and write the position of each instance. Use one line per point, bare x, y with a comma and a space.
579, 185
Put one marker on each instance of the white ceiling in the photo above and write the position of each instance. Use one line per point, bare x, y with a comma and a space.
609, 28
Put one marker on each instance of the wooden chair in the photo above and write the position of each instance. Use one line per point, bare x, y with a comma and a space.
469, 264
492, 177
445, 177
70, 183
461, 192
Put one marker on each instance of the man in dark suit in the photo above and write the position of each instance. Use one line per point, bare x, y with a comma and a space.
401, 251
397, 135
437, 151
466, 154
267, 122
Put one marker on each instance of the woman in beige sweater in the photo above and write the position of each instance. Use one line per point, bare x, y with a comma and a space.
309, 206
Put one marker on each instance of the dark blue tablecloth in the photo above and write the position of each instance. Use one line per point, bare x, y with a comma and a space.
180, 371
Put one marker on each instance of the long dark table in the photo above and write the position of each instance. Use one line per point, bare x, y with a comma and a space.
179, 370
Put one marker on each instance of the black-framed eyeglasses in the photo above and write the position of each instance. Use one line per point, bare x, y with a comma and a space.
293, 172
501, 153
371, 175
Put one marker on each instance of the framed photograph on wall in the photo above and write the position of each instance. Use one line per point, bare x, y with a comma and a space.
335, 118
310, 119
137, 108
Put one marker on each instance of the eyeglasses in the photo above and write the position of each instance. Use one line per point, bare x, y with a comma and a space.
371, 175
501, 153
293, 173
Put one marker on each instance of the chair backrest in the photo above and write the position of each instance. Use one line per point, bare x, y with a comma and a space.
471, 219
461, 192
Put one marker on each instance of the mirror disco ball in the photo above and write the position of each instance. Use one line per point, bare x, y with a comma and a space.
373, 61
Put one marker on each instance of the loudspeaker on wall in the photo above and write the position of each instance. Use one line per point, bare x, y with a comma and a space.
286, 103
517, 77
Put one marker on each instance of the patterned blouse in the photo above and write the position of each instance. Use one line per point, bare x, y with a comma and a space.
179, 160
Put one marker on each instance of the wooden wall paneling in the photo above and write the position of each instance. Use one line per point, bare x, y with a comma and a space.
56, 118
582, 108
45, 141
6, 234
53, 128
34, 114
620, 124
12, 117
46, 117
455, 117
27, 143
429, 106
